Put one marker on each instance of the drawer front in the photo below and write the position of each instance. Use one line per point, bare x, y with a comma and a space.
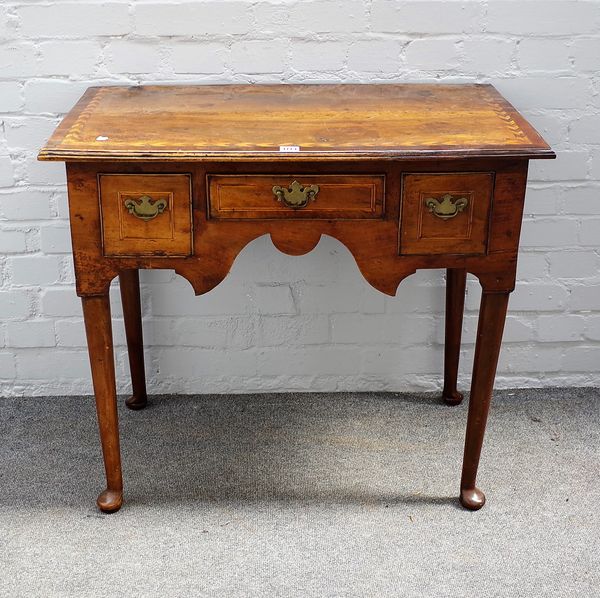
445, 213
146, 215
296, 196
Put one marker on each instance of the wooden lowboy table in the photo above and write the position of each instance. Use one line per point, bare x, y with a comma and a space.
406, 176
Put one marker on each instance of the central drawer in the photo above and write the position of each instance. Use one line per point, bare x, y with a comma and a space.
304, 196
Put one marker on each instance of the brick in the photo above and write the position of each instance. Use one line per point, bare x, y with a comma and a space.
178, 299
318, 56
432, 54
559, 328
50, 363
534, 358
298, 330
541, 202
80, 20
418, 16
11, 93
116, 308
531, 265
7, 366
25, 204
327, 299
581, 200
585, 53
375, 56
43, 173
592, 327
198, 58
549, 232
55, 238
581, 359
190, 332
329, 262
311, 361
329, 16
412, 297
270, 16
193, 19
123, 56
554, 18
70, 58
14, 304
61, 302
372, 301
551, 124
585, 297
276, 299
535, 54
192, 363
568, 166
68, 269
71, 333
517, 329
157, 276
7, 29
575, 264
595, 165
28, 133
52, 95
33, 333
257, 56
7, 175
34, 270
487, 56
18, 60
589, 233
12, 241
586, 129
418, 360
538, 297
61, 202
381, 329
553, 93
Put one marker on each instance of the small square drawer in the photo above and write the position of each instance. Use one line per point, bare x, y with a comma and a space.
446, 213
146, 214
321, 196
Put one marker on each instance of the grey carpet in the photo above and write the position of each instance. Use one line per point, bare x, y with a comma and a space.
303, 495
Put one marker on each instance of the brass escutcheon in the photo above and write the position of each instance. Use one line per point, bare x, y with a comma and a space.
145, 207
447, 207
296, 196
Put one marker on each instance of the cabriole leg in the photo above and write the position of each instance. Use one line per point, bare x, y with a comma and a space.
492, 315
456, 280
96, 312
129, 282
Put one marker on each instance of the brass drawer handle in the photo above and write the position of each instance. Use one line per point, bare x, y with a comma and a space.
145, 207
296, 196
447, 207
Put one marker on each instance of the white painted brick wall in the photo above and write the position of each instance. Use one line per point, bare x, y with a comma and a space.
310, 322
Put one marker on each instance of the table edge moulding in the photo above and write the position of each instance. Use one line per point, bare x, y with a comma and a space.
407, 176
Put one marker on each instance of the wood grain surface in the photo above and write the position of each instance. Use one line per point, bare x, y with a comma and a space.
169, 234
422, 232
339, 196
327, 122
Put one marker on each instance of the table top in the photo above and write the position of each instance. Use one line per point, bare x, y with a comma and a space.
324, 122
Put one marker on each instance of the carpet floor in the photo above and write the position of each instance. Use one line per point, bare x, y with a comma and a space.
303, 495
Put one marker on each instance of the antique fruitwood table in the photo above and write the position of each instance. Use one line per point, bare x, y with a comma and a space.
183, 177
